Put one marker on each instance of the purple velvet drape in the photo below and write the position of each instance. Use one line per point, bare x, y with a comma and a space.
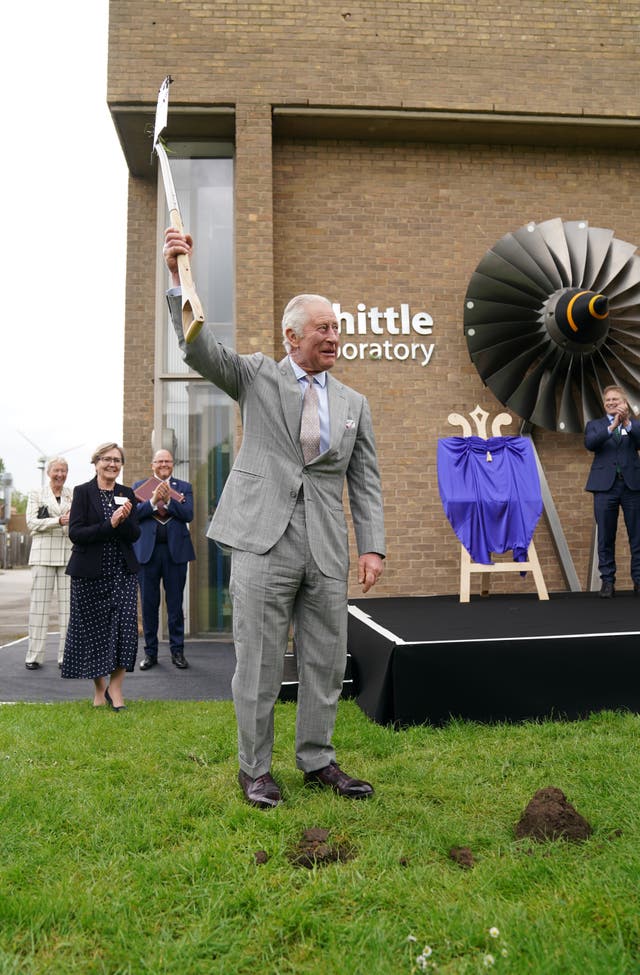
493, 506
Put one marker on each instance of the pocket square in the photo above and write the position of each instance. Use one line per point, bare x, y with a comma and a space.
350, 424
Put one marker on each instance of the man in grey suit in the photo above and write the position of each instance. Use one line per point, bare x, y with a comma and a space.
281, 513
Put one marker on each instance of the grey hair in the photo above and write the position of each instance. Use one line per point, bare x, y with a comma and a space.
103, 448
295, 315
56, 460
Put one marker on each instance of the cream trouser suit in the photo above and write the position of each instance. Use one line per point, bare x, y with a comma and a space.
50, 551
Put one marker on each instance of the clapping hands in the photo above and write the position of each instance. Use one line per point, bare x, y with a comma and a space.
122, 511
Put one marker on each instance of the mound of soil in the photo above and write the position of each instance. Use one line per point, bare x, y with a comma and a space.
463, 856
550, 816
314, 850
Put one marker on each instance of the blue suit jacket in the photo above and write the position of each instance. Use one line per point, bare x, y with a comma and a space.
612, 454
178, 536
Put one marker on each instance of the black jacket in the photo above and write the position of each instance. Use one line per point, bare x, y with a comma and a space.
89, 530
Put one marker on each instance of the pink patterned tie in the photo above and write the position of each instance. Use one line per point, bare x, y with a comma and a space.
310, 423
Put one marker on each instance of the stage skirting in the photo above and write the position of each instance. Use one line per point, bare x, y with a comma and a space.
427, 659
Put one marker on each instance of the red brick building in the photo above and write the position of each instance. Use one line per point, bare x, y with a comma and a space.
372, 153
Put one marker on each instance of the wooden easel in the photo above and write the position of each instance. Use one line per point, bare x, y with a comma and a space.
467, 565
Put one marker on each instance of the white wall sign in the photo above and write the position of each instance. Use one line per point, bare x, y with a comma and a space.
374, 323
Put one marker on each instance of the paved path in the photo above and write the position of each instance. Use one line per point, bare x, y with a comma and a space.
208, 678
15, 586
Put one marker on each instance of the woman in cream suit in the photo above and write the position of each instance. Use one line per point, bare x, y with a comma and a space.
48, 520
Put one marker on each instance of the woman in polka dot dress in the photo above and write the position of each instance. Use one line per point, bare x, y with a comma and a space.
102, 638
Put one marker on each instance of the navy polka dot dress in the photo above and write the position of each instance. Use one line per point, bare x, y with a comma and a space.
103, 621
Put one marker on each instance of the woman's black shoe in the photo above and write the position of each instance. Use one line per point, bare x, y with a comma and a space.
107, 697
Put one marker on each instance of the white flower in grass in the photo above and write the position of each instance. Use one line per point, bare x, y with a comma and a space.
427, 951
411, 937
489, 960
504, 952
494, 932
422, 963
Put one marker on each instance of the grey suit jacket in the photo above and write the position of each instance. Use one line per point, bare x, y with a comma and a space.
262, 489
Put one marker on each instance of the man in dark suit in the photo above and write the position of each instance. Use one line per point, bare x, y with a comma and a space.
614, 480
281, 513
164, 551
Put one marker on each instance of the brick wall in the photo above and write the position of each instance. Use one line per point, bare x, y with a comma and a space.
547, 56
387, 222
253, 203
140, 311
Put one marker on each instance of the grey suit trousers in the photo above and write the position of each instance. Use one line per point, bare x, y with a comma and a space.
269, 592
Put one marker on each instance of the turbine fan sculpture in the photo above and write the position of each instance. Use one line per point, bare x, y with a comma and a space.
551, 317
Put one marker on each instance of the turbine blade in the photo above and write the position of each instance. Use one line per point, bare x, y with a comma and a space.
497, 333
553, 233
599, 241
618, 255
535, 245
511, 250
494, 289
577, 234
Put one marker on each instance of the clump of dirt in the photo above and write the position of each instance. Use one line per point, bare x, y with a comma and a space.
550, 816
463, 856
260, 856
314, 849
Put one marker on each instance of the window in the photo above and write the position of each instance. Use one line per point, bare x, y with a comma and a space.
196, 418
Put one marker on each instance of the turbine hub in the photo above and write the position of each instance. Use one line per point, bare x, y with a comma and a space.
551, 317
577, 320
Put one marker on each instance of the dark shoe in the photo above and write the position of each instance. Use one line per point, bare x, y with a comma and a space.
334, 778
107, 697
607, 590
32, 665
179, 661
636, 588
262, 792
148, 662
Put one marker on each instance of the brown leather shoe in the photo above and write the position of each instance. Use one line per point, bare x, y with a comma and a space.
262, 792
334, 778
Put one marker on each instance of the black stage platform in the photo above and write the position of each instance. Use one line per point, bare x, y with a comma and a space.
499, 658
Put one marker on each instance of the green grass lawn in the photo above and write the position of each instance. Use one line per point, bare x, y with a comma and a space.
126, 848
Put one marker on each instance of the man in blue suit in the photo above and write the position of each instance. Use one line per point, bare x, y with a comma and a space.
164, 551
614, 480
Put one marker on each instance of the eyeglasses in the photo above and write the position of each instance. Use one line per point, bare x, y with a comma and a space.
112, 460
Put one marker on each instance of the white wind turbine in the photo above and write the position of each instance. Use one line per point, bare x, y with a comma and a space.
44, 456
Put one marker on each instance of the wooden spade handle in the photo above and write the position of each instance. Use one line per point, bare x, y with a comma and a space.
192, 313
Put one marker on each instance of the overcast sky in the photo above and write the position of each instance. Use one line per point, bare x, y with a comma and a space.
64, 209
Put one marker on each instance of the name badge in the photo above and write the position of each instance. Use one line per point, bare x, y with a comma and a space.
119, 499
